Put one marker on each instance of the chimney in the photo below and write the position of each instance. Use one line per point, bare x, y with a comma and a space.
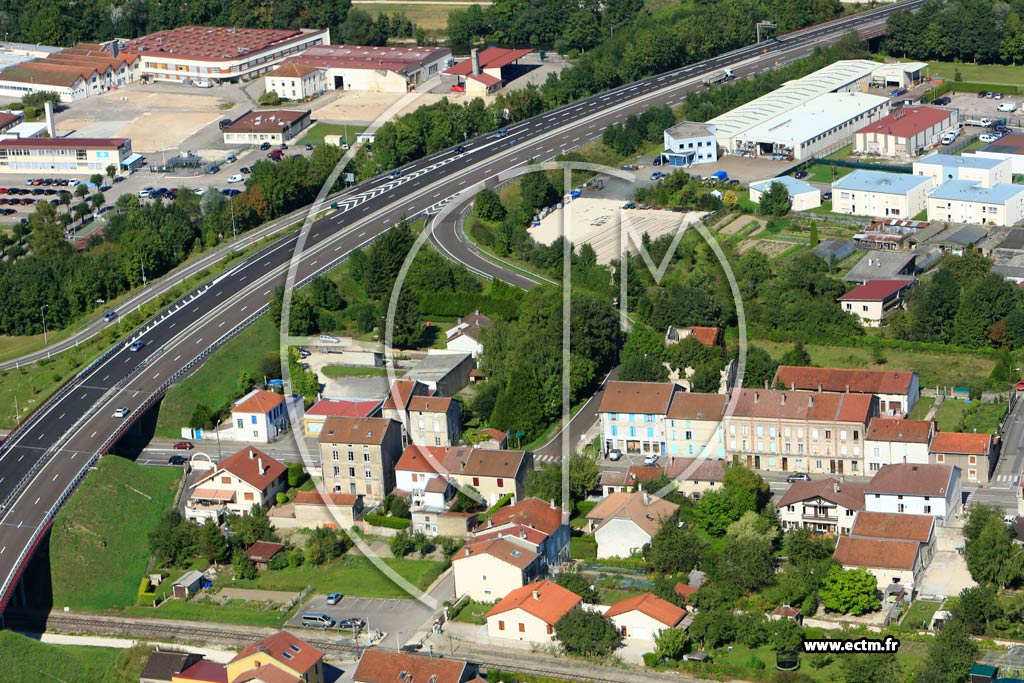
490, 522
835, 487
475, 58
783, 399
468, 552
792, 386
847, 388
259, 466
252, 456
51, 128
553, 506
647, 498
536, 594
819, 387
522, 534
757, 397
810, 401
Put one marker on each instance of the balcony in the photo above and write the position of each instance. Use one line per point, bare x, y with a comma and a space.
820, 519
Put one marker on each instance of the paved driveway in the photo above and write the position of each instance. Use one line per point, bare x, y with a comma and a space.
947, 574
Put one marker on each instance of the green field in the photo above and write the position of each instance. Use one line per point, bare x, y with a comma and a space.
233, 612
215, 384
352, 371
921, 408
920, 614
98, 546
984, 421
27, 659
473, 612
426, 15
316, 134
583, 547
351, 574
910, 656
823, 173
997, 74
933, 367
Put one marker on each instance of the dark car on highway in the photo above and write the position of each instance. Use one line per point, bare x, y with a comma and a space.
177, 460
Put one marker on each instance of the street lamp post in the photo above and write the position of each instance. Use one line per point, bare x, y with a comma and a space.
216, 430
231, 200
42, 312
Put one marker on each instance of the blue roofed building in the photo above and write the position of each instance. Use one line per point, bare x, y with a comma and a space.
968, 201
877, 193
983, 170
803, 195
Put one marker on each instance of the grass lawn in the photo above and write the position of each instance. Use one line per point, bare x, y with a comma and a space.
426, 15
985, 420
921, 408
27, 659
98, 547
821, 173
473, 612
233, 612
841, 153
316, 134
215, 383
997, 74
352, 371
970, 147
910, 656
934, 367
352, 574
920, 614
583, 547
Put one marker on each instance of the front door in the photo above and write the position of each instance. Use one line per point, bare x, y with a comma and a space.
785, 463
757, 462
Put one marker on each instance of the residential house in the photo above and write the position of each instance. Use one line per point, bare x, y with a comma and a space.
247, 478
613, 481
972, 453
875, 300
383, 666
486, 569
643, 617
967, 201
314, 418
785, 612
694, 425
623, 523
799, 431
884, 265
633, 416
899, 527
533, 515
259, 416
492, 438
825, 506
695, 477
897, 391
358, 456
290, 658
161, 667
203, 672
332, 510
261, 553
294, 81
802, 195
893, 440
916, 489
466, 334
493, 474
985, 171
895, 548
640, 474
708, 336
433, 421
439, 521
530, 613
420, 468
396, 403
878, 193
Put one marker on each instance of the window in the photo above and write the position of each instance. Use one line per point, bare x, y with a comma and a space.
551, 629
927, 509
351, 456
337, 471
828, 433
501, 483
874, 466
239, 423
689, 435
940, 458
856, 435
817, 464
253, 418
842, 434
352, 471
901, 508
501, 625
225, 480
334, 456
437, 441
972, 460
368, 473
522, 627
790, 508
366, 456
476, 481
248, 496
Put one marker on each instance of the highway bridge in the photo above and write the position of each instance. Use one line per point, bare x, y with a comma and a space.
46, 456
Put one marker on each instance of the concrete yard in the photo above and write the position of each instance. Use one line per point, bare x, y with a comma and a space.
947, 573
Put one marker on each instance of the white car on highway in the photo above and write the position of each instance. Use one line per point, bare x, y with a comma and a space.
237, 178
122, 412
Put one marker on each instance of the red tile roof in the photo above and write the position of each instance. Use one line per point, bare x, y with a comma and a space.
803, 405
907, 122
961, 443
265, 674
899, 430
317, 498
844, 380
401, 59
484, 462
491, 58
246, 464
527, 534
876, 553
637, 474
402, 390
429, 404
685, 590
381, 666
301, 656
690, 406
263, 551
500, 548
422, 459
356, 430
696, 469
486, 79
786, 611
545, 600
258, 401
531, 512
338, 407
648, 398
643, 509
203, 672
214, 43
876, 290
850, 496
292, 69
892, 525
911, 480
660, 610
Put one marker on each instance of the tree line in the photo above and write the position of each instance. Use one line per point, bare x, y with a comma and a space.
142, 242
977, 31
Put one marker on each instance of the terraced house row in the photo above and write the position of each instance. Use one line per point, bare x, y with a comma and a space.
828, 420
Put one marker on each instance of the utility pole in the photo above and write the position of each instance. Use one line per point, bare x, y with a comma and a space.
142, 265
42, 312
231, 200
216, 430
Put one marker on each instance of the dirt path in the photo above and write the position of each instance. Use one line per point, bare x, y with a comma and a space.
739, 223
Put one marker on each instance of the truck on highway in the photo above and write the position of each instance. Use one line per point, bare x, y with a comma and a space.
719, 77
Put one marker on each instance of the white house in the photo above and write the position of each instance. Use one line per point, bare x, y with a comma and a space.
644, 616
877, 193
895, 548
530, 613
803, 196
419, 469
892, 441
875, 300
915, 489
824, 505
489, 568
690, 143
294, 81
465, 335
633, 416
249, 477
623, 523
259, 416
985, 171
967, 201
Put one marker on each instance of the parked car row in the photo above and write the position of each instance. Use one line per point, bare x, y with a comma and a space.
37, 191
990, 95
172, 192
62, 182
1000, 132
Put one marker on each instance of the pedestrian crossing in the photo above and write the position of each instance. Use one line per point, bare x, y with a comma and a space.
1011, 479
540, 459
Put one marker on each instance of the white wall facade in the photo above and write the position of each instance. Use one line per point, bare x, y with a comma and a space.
297, 88
484, 577
620, 538
1009, 212
880, 453
874, 203
634, 433
636, 626
941, 507
517, 624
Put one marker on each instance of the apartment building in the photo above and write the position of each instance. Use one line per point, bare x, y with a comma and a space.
633, 416
825, 506
358, 456
917, 490
800, 431
892, 441
897, 392
694, 425
434, 421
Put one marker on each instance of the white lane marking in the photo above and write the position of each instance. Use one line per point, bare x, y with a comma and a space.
242, 310
177, 357
37, 501
61, 417
156, 375
92, 435
105, 378
55, 477
222, 323
361, 234
199, 341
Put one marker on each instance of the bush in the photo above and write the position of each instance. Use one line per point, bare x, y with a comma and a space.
401, 545
296, 474
387, 522
147, 592
282, 498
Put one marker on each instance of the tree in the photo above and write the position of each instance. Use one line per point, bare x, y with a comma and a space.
775, 200
537, 190
252, 527
587, 633
296, 474
951, 654
546, 482
111, 171
213, 546
672, 643
488, 206
466, 498
850, 591
675, 548
270, 99
991, 556
814, 241
796, 356
644, 369
760, 368
326, 294
242, 566
754, 527
97, 200
401, 544
407, 330
746, 564
574, 581
871, 668
977, 606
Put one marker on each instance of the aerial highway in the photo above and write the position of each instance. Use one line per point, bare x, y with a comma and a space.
45, 457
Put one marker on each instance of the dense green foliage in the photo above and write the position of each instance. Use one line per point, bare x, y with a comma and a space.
585, 632
775, 201
992, 556
627, 137
850, 591
984, 33
546, 481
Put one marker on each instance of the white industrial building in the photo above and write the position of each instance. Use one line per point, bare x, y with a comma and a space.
689, 143
371, 68
877, 193
984, 171
803, 196
968, 201
791, 122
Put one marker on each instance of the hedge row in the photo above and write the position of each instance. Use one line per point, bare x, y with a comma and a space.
147, 592
388, 522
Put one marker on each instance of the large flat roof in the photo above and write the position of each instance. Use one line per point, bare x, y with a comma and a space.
812, 118
863, 180
965, 161
1008, 144
972, 191
793, 185
398, 59
216, 43
491, 58
907, 122
792, 94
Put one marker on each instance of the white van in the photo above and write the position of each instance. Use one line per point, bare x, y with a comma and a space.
1007, 106
204, 84
317, 619
949, 137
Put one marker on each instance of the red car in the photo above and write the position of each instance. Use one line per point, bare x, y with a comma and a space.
1020, 385
27, 200
183, 446
3, 190
37, 181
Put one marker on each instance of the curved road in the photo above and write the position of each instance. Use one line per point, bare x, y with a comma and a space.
44, 459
